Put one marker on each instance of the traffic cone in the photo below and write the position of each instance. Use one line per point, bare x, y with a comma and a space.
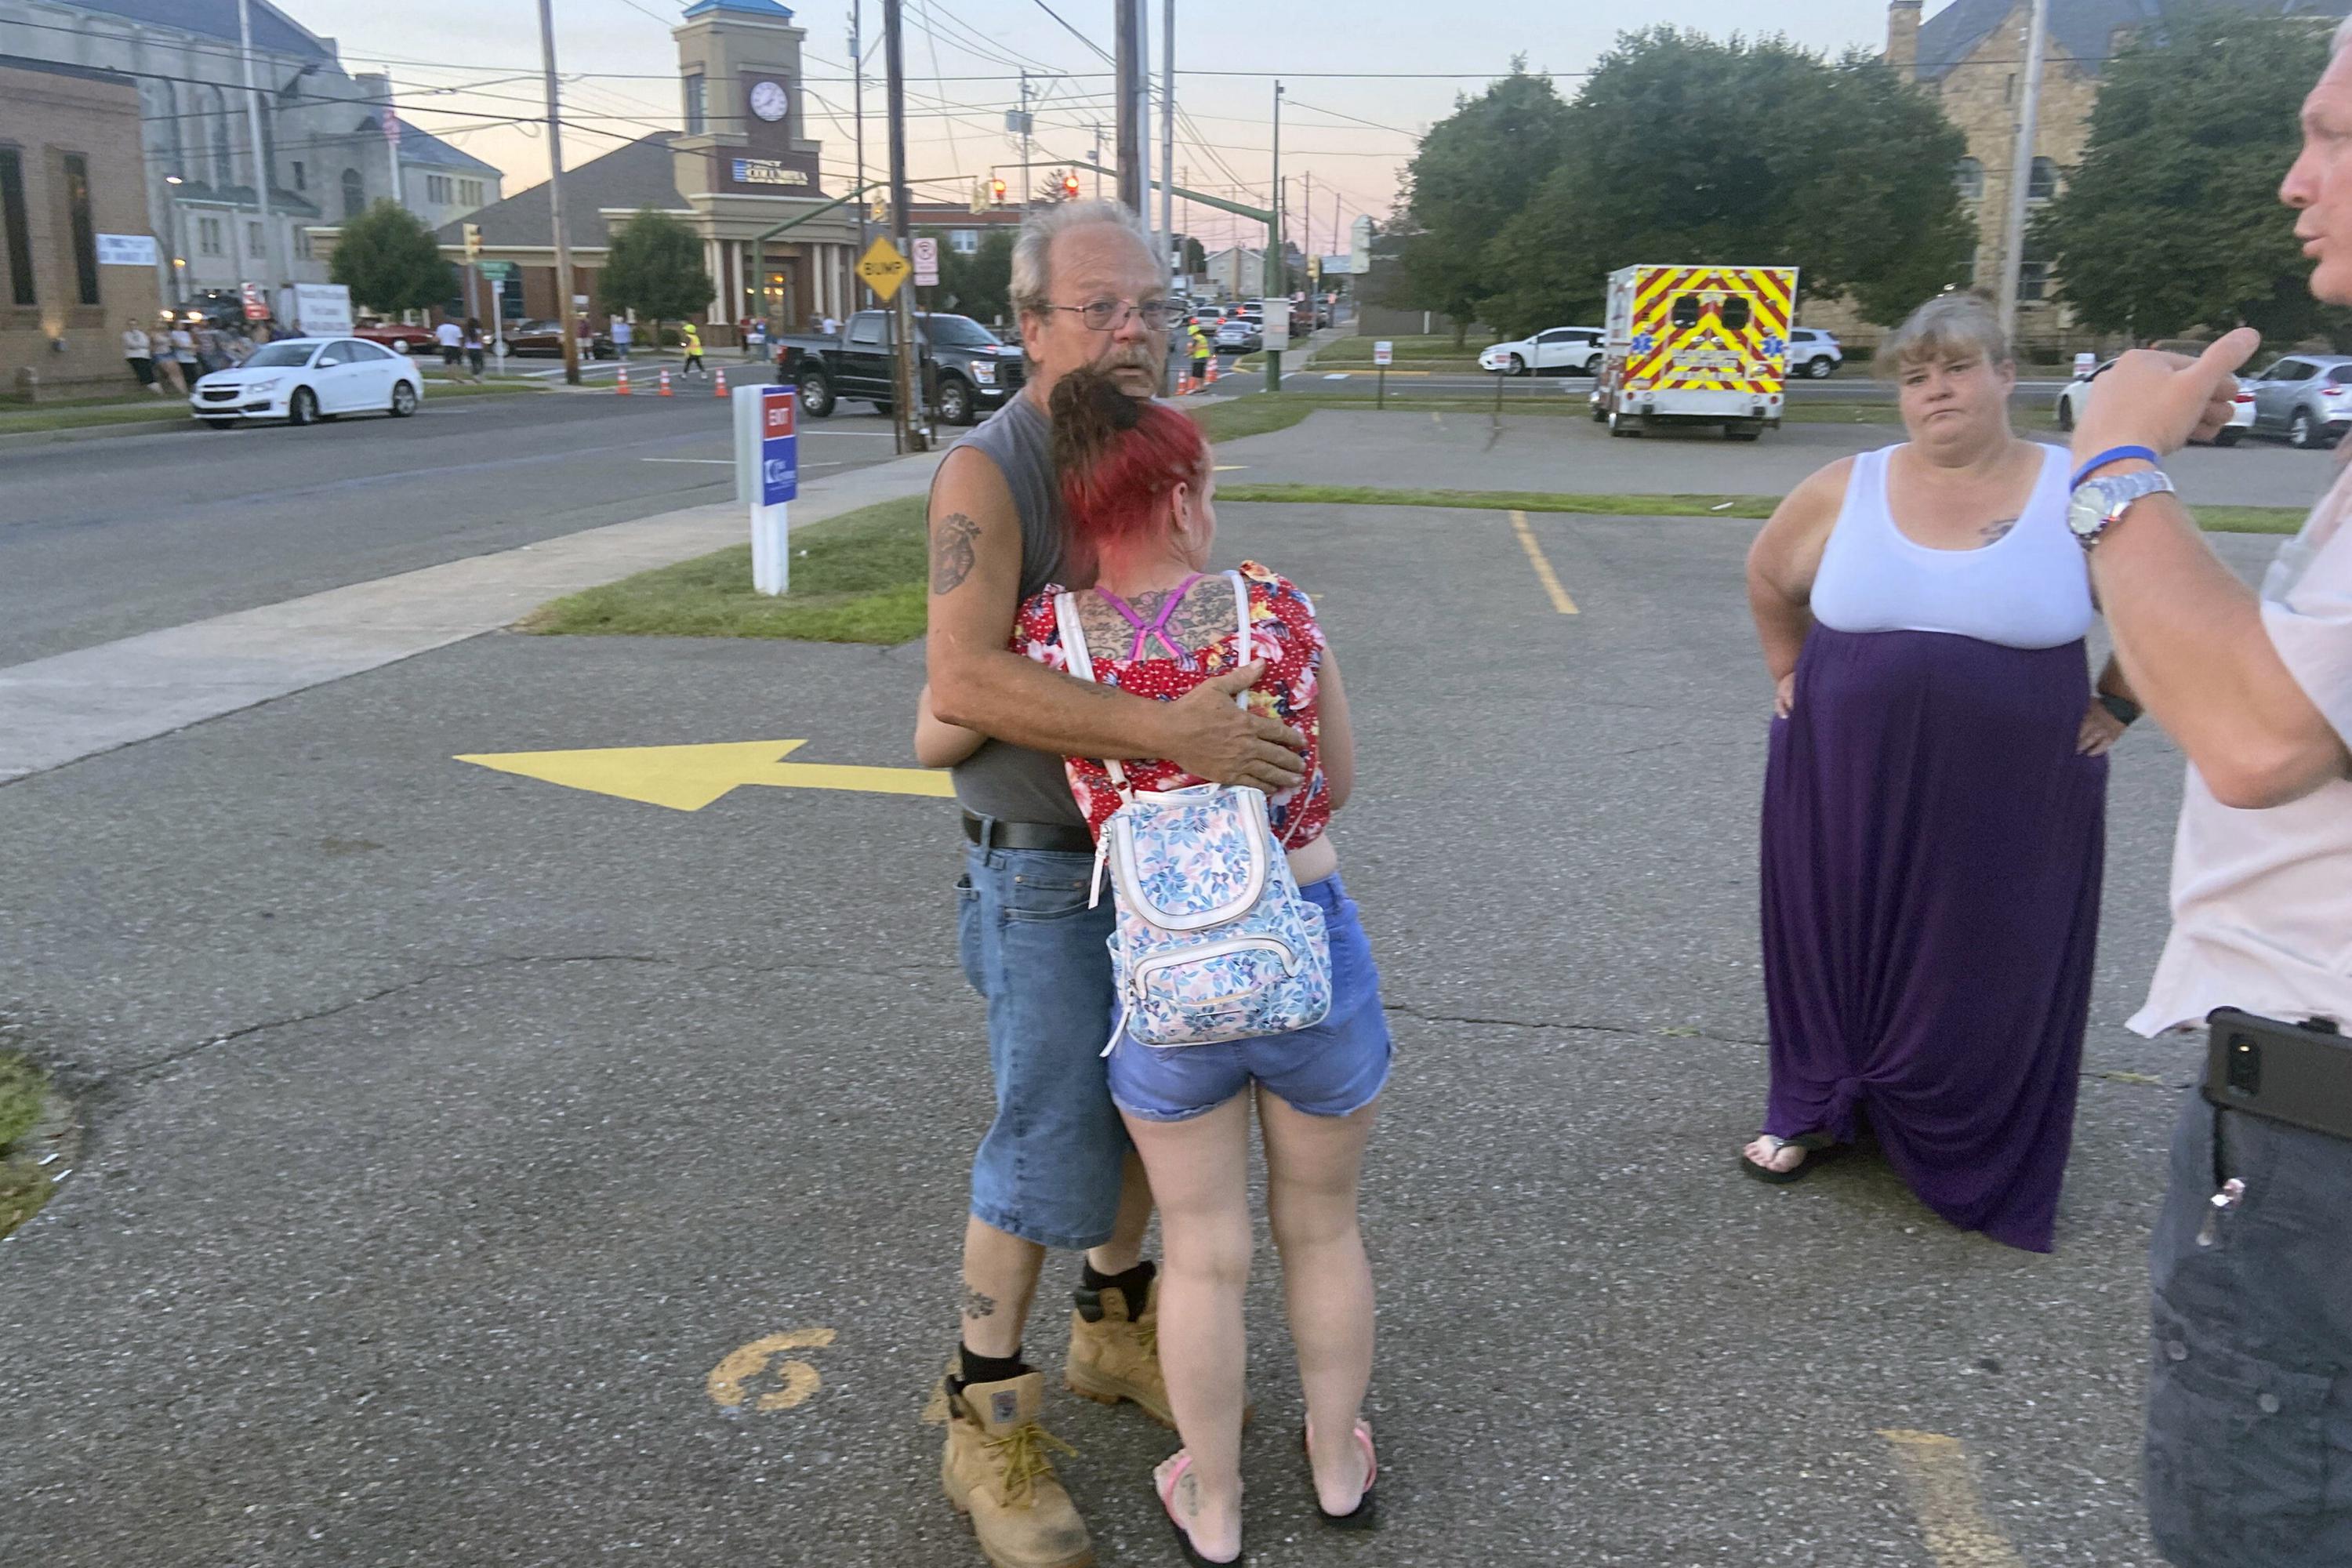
1212, 371
720, 390
622, 386
1183, 384
666, 391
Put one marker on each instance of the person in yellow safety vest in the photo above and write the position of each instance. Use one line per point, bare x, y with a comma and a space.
694, 365
1201, 351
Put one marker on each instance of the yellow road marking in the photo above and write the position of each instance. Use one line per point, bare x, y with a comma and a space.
1544, 573
1944, 1495
727, 1380
687, 778
1230, 468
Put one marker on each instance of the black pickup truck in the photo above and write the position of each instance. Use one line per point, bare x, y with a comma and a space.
969, 370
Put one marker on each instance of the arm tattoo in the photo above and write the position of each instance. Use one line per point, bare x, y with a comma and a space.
952, 552
1994, 530
976, 1305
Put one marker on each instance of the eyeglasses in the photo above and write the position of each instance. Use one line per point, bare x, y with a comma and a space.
1105, 315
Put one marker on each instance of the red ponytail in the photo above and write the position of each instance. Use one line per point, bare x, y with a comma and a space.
1117, 457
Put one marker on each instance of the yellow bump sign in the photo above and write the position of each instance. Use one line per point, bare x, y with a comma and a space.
687, 778
883, 268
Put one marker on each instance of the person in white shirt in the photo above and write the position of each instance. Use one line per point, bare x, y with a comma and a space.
139, 355
620, 335
452, 338
2250, 1408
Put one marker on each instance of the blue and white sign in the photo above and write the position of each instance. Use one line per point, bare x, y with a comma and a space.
780, 457
126, 250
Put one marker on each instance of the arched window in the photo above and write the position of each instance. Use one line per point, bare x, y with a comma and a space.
354, 196
1969, 175
2042, 183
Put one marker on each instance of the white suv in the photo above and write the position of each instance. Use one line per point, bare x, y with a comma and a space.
1561, 350
1813, 353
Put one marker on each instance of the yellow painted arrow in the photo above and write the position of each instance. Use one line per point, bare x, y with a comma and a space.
687, 778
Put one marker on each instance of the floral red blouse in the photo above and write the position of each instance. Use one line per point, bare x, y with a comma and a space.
1283, 632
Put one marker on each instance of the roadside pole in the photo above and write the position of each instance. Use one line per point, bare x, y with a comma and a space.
766, 477
567, 309
2021, 170
1274, 277
1382, 352
261, 171
903, 379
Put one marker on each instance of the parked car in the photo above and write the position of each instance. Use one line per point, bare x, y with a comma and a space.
1559, 350
544, 340
2072, 396
305, 380
398, 338
1815, 352
968, 368
2306, 398
1240, 333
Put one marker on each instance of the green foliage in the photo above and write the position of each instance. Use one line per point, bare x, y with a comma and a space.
978, 285
2172, 220
390, 262
655, 268
1196, 261
1682, 148
23, 1089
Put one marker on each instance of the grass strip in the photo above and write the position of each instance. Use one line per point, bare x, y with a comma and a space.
24, 1185
1410, 350
857, 578
14, 422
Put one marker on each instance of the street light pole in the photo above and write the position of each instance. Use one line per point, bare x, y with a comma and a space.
2021, 171
565, 309
857, 73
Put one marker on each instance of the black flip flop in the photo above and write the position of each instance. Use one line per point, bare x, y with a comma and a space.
1818, 1147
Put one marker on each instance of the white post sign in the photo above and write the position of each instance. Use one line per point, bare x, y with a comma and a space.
927, 263
1276, 315
1384, 351
766, 477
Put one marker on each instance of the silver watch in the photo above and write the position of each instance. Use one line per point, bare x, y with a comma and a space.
2098, 503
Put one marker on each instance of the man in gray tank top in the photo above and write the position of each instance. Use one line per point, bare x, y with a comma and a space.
1054, 1169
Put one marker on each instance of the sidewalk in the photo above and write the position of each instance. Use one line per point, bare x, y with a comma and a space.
73, 705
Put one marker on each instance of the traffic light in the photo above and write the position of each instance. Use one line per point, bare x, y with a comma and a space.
473, 241
1070, 186
996, 192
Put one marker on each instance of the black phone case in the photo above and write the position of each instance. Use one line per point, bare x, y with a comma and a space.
2289, 1072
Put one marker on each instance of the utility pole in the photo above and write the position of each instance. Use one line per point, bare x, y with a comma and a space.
392, 140
1168, 140
1307, 211
1271, 277
1097, 161
2021, 171
1027, 179
260, 156
904, 381
857, 71
1129, 128
565, 309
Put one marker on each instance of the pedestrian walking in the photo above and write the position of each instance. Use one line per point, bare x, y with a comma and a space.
690, 339
452, 338
473, 343
140, 354
1138, 486
1935, 799
1055, 1168
621, 333
2250, 1409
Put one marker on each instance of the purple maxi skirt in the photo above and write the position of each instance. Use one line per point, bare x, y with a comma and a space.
1932, 850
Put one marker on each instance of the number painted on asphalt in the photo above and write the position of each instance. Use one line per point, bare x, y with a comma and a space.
731, 1382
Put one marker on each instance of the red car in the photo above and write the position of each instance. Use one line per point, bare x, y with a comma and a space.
400, 338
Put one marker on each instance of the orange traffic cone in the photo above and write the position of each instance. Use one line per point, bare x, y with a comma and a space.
622, 386
666, 391
1183, 384
720, 390
1212, 371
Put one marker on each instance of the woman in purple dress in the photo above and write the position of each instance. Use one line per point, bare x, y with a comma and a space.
1934, 807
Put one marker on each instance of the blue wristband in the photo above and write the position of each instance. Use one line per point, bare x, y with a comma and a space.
2111, 455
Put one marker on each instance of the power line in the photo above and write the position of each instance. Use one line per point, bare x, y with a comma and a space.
1089, 43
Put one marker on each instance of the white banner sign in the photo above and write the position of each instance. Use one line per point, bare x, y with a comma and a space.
126, 250
324, 310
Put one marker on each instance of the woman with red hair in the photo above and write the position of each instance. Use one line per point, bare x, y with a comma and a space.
1138, 486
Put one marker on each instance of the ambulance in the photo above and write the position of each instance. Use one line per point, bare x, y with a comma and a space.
1695, 345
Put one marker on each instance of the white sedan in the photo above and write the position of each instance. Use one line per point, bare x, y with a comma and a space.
2077, 392
305, 380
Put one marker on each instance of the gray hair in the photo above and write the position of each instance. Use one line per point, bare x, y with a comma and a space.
1946, 327
1033, 251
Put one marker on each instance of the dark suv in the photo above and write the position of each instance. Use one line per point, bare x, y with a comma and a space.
969, 369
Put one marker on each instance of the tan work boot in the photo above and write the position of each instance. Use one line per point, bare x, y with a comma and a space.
1115, 1352
995, 1470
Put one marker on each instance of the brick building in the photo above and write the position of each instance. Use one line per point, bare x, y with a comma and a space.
77, 253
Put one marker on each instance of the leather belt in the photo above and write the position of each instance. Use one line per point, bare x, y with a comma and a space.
1059, 836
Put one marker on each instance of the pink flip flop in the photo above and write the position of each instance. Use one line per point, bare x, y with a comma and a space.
1167, 1490
1362, 1516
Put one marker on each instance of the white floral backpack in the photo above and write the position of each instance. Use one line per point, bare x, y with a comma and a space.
1213, 941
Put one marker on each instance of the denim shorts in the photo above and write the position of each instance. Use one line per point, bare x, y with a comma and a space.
1333, 1068
1048, 1171
2249, 1389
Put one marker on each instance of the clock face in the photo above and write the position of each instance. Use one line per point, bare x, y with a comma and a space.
768, 100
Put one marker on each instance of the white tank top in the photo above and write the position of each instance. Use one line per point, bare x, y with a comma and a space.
2030, 588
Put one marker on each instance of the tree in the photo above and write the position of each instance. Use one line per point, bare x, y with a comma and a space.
390, 262
1682, 148
1476, 170
655, 268
978, 285
2172, 220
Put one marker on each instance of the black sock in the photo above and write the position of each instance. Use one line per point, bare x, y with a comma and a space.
1134, 1285
977, 1368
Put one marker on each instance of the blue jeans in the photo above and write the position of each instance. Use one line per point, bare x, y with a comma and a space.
1048, 1171
1334, 1067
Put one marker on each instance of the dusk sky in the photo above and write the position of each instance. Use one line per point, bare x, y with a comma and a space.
1347, 128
